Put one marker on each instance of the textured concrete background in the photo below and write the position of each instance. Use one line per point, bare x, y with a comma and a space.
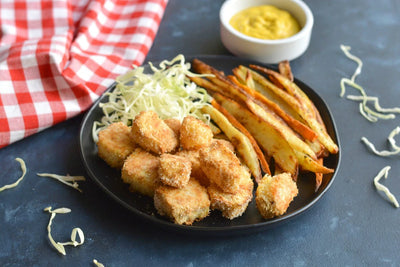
351, 225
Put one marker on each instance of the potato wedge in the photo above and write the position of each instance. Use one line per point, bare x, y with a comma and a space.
220, 82
246, 76
318, 148
319, 176
209, 86
305, 155
268, 136
308, 164
295, 142
290, 87
285, 70
240, 93
303, 99
238, 139
296, 125
305, 113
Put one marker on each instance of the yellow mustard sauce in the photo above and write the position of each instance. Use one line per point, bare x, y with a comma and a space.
265, 22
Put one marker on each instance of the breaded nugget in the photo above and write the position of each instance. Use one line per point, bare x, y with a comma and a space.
221, 166
140, 171
174, 170
232, 205
274, 194
153, 134
197, 172
227, 143
195, 134
115, 144
182, 205
174, 124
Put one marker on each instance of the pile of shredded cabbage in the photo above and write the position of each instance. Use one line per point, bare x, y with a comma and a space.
167, 90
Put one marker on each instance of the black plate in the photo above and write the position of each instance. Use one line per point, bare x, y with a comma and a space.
109, 179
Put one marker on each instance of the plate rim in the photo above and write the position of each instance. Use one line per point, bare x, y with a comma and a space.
215, 230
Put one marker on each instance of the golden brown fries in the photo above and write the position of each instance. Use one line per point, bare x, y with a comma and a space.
220, 83
289, 87
209, 86
286, 70
296, 125
276, 113
241, 94
268, 136
319, 176
295, 142
259, 83
309, 164
230, 87
306, 110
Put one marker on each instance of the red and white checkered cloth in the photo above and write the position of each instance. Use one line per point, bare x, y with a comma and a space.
58, 56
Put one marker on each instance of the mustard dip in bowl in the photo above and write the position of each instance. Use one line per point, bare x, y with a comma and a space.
267, 31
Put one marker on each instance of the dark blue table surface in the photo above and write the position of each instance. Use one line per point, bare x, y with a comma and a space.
351, 225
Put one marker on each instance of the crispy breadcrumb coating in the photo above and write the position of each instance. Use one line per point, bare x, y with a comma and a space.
222, 167
183, 205
197, 172
227, 143
232, 205
195, 134
174, 124
140, 171
115, 144
274, 194
174, 170
153, 134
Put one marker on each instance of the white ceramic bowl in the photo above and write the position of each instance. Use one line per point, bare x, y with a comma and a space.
266, 51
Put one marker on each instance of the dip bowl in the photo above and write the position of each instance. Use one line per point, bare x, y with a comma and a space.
266, 51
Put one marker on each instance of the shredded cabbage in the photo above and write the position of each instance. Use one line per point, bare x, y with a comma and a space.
98, 264
23, 168
385, 153
384, 172
67, 179
60, 246
366, 112
168, 91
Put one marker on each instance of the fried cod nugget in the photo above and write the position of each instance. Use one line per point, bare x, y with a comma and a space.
115, 144
182, 205
227, 143
195, 134
274, 194
197, 172
140, 171
174, 170
232, 205
153, 134
221, 166
174, 124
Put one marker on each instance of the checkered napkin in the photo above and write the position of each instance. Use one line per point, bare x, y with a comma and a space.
58, 56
